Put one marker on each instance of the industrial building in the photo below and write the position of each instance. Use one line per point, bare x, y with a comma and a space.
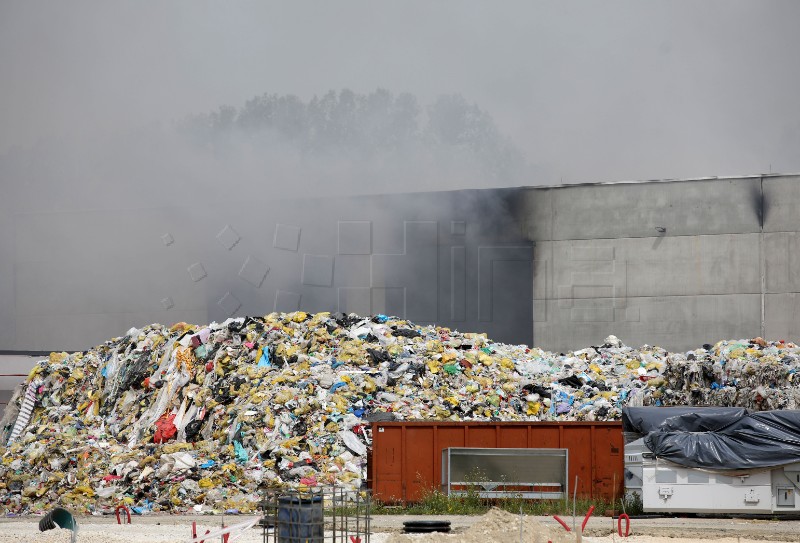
675, 263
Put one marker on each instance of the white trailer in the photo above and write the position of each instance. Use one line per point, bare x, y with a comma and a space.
665, 487
669, 487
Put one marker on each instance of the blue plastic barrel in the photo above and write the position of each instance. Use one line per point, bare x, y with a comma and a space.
300, 520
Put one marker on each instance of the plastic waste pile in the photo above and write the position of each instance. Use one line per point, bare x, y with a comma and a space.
755, 374
197, 418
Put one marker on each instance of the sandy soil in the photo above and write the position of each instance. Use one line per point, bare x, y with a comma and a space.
494, 526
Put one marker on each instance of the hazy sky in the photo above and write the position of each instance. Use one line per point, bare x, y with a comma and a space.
590, 91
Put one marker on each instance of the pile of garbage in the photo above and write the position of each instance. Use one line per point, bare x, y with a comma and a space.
196, 417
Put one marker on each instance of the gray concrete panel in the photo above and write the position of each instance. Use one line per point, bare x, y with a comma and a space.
7, 280
782, 261
352, 271
254, 271
415, 270
695, 265
79, 332
668, 266
458, 283
315, 299
389, 301
77, 277
286, 301
355, 238
536, 213
355, 300
543, 271
782, 316
228, 237
675, 323
112, 234
724, 206
505, 307
12, 366
5, 398
496, 279
89, 286
781, 203
287, 237
318, 270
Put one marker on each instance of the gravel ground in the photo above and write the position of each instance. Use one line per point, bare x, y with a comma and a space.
386, 528
673, 527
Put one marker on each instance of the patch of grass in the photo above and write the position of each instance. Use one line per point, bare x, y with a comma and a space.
632, 503
435, 502
470, 502
553, 507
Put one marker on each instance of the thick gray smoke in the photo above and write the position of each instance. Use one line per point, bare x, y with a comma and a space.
124, 125
338, 144
359, 144
587, 91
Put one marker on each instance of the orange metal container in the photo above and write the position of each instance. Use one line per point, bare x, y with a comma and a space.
407, 456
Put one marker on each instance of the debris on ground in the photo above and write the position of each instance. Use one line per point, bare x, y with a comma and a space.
495, 525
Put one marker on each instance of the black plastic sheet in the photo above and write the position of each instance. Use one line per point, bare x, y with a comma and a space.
643, 420
718, 440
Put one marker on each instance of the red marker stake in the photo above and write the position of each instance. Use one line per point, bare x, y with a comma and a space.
586, 518
562, 523
627, 525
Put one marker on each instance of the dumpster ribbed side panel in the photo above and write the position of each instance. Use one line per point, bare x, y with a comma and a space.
387, 463
406, 457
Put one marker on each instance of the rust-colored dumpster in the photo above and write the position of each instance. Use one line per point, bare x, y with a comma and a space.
407, 456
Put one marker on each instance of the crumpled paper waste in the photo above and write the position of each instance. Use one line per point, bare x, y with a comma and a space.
194, 418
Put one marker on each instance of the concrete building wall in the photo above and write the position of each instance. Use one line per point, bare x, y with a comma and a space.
13, 371
79, 278
74, 279
675, 264
726, 265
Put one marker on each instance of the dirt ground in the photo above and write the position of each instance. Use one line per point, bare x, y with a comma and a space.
494, 526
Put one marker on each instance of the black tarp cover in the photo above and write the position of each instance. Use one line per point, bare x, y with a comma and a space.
721, 438
643, 420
